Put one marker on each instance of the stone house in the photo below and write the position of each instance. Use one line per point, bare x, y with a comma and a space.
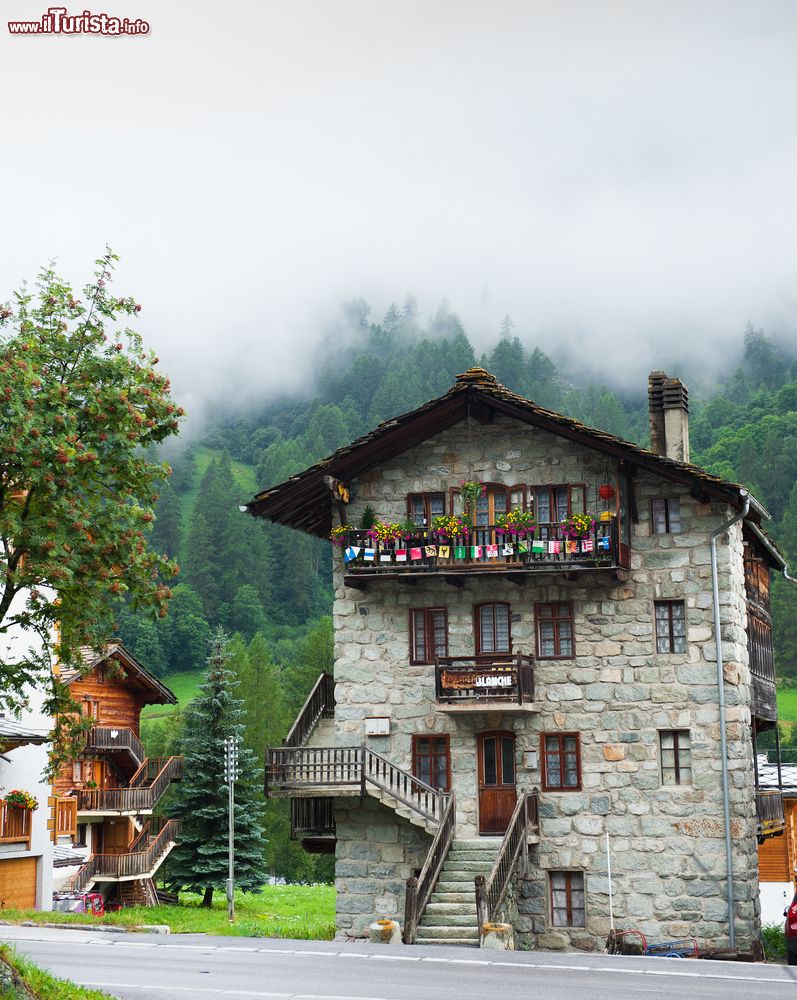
528, 718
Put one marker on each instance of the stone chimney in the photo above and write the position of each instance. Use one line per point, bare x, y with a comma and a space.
668, 406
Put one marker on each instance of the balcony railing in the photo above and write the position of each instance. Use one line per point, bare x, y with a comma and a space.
109, 739
15, 824
472, 681
66, 816
483, 549
769, 812
312, 817
320, 704
146, 786
134, 864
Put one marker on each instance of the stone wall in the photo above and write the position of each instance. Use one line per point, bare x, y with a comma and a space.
667, 843
376, 853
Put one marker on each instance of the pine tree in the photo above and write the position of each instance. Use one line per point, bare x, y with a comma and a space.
199, 862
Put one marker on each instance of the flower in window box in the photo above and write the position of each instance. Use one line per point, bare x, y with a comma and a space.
19, 799
447, 527
578, 526
515, 522
384, 533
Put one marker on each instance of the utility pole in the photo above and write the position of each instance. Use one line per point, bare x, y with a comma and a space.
230, 774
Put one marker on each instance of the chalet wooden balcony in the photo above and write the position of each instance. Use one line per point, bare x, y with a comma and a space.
313, 824
15, 825
770, 817
65, 816
123, 742
467, 684
146, 786
141, 862
483, 550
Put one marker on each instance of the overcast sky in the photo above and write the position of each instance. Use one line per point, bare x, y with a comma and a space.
618, 176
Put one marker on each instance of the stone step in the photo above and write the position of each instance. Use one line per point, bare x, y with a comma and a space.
450, 942
439, 920
462, 855
443, 935
449, 884
478, 867
452, 897
477, 843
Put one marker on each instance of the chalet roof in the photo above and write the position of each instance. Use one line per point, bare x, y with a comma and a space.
157, 692
303, 501
13, 734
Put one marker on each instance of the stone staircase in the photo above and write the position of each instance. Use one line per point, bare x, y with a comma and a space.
450, 916
400, 809
323, 734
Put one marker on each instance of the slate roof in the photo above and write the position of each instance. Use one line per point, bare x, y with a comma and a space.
303, 501
13, 734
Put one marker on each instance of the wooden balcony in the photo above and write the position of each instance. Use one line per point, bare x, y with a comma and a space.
129, 751
15, 825
771, 821
483, 550
146, 786
66, 816
313, 824
466, 684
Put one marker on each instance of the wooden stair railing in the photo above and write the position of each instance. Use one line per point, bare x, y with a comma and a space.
514, 850
290, 768
420, 888
319, 704
146, 786
141, 862
103, 738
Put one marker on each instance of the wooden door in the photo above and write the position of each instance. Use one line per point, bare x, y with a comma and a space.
497, 792
115, 836
18, 884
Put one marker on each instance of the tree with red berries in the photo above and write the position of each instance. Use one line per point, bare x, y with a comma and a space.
80, 403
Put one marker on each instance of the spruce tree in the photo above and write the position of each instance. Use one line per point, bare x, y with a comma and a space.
199, 862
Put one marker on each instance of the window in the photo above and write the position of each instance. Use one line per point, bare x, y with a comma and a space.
422, 508
493, 632
77, 770
552, 504
90, 709
428, 634
676, 757
554, 630
431, 761
567, 899
561, 762
670, 627
666, 516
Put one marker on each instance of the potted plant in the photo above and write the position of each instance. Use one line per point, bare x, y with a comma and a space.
447, 527
577, 526
383, 532
19, 799
471, 490
338, 534
516, 522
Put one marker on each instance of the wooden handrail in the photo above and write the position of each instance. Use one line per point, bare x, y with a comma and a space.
130, 864
330, 767
514, 849
320, 703
420, 888
103, 738
146, 786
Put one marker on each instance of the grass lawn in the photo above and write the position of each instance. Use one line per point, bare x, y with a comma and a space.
281, 911
787, 706
185, 687
41, 984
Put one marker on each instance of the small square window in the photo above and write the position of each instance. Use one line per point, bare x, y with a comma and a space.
666, 516
676, 757
561, 762
554, 631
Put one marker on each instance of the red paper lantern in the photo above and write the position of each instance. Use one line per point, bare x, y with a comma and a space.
606, 491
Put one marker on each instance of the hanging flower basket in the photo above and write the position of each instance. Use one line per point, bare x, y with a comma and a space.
19, 799
447, 527
471, 490
338, 534
515, 522
578, 526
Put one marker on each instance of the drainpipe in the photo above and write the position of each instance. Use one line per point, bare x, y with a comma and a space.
721, 685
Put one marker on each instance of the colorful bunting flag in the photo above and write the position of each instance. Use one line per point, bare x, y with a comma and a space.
571, 547
538, 545
431, 550
459, 551
401, 555
507, 550
603, 543
416, 554
369, 554
444, 551
492, 551
385, 557
587, 545
351, 553
554, 547
475, 551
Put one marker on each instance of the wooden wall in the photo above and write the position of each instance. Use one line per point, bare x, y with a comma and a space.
777, 856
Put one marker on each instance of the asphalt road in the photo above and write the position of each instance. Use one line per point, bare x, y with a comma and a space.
155, 967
